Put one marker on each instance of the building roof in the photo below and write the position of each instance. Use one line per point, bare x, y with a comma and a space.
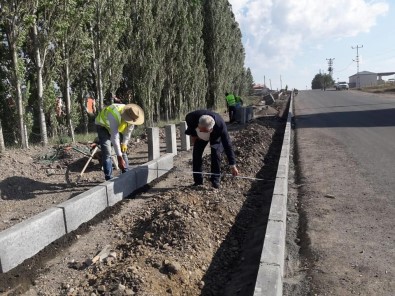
385, 73
363, 73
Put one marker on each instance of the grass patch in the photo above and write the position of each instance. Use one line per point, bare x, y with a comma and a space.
384, 88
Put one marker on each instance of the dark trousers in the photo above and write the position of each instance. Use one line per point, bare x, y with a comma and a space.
232, 113
105, 146
197, 161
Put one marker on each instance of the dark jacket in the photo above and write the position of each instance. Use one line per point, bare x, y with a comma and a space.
218, 136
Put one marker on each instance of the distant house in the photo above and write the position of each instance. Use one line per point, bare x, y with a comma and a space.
363, 79
260, 89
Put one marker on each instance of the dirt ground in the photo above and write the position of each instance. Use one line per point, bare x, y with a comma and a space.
33, 180
169, 239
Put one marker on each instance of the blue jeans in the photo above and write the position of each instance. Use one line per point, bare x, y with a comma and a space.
197, 161
105, 146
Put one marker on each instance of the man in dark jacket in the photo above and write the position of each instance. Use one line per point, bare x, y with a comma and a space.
206, 126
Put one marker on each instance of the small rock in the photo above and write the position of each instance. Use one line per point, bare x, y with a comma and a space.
201, 285
101, 288
173, 267
177, 213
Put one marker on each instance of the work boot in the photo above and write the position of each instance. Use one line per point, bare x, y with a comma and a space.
215, 185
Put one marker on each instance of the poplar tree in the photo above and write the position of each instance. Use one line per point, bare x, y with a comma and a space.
13, 14
43, 28
223, 50
72, 43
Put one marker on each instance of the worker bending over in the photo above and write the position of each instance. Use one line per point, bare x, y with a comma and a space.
206, 126
115, 124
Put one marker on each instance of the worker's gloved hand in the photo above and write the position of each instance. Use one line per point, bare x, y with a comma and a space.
121, 163
234, 170
124, 148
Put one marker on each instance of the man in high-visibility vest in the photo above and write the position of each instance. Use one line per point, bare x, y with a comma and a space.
239, 101
231, 103
115, 124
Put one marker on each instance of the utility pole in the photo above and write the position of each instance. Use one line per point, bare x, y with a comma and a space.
330, 66
281, 83
270, 84
358, 84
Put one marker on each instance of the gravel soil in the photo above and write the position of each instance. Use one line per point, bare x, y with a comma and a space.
167, 239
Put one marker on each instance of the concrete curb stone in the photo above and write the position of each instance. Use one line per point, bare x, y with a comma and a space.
271, 269
27, 238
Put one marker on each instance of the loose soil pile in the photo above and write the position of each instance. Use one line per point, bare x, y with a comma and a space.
173, 239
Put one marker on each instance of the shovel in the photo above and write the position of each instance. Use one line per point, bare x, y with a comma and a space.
86, 165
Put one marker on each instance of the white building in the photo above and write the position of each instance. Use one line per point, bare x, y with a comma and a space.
363, 79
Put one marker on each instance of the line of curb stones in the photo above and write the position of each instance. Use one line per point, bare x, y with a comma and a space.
27, 238
271, 266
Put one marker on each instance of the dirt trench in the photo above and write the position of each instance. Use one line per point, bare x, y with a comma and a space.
170, 239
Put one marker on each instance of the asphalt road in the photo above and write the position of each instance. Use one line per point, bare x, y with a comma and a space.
363, 123
345, 141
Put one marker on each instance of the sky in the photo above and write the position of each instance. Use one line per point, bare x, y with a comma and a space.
288, 42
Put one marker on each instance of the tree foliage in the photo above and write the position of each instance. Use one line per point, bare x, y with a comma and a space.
322, 81
170, 57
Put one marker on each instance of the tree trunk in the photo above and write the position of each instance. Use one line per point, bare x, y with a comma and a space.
19, 98
97, 65
2, 145
99, 83
43, 127
97, 60
67, 96
84, 115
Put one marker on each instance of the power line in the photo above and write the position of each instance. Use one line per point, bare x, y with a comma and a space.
344, 69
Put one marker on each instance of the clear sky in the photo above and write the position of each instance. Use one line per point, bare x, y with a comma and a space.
293, 39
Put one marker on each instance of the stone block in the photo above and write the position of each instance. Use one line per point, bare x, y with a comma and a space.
121, 187
165, 164
84, 207
278, 208
153, 143
269, 281
269, 99
27, 238
185, 139
146, 173
171, 139
282, 169
281, 186
274, 245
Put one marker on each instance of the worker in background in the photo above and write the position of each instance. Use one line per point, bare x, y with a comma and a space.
239, 101
206, 126
115, 124
239, 104
231, 103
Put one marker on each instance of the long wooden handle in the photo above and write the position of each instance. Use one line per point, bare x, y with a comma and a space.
89, 160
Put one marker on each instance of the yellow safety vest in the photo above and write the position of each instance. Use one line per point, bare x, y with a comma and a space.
115, 110
230, 99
